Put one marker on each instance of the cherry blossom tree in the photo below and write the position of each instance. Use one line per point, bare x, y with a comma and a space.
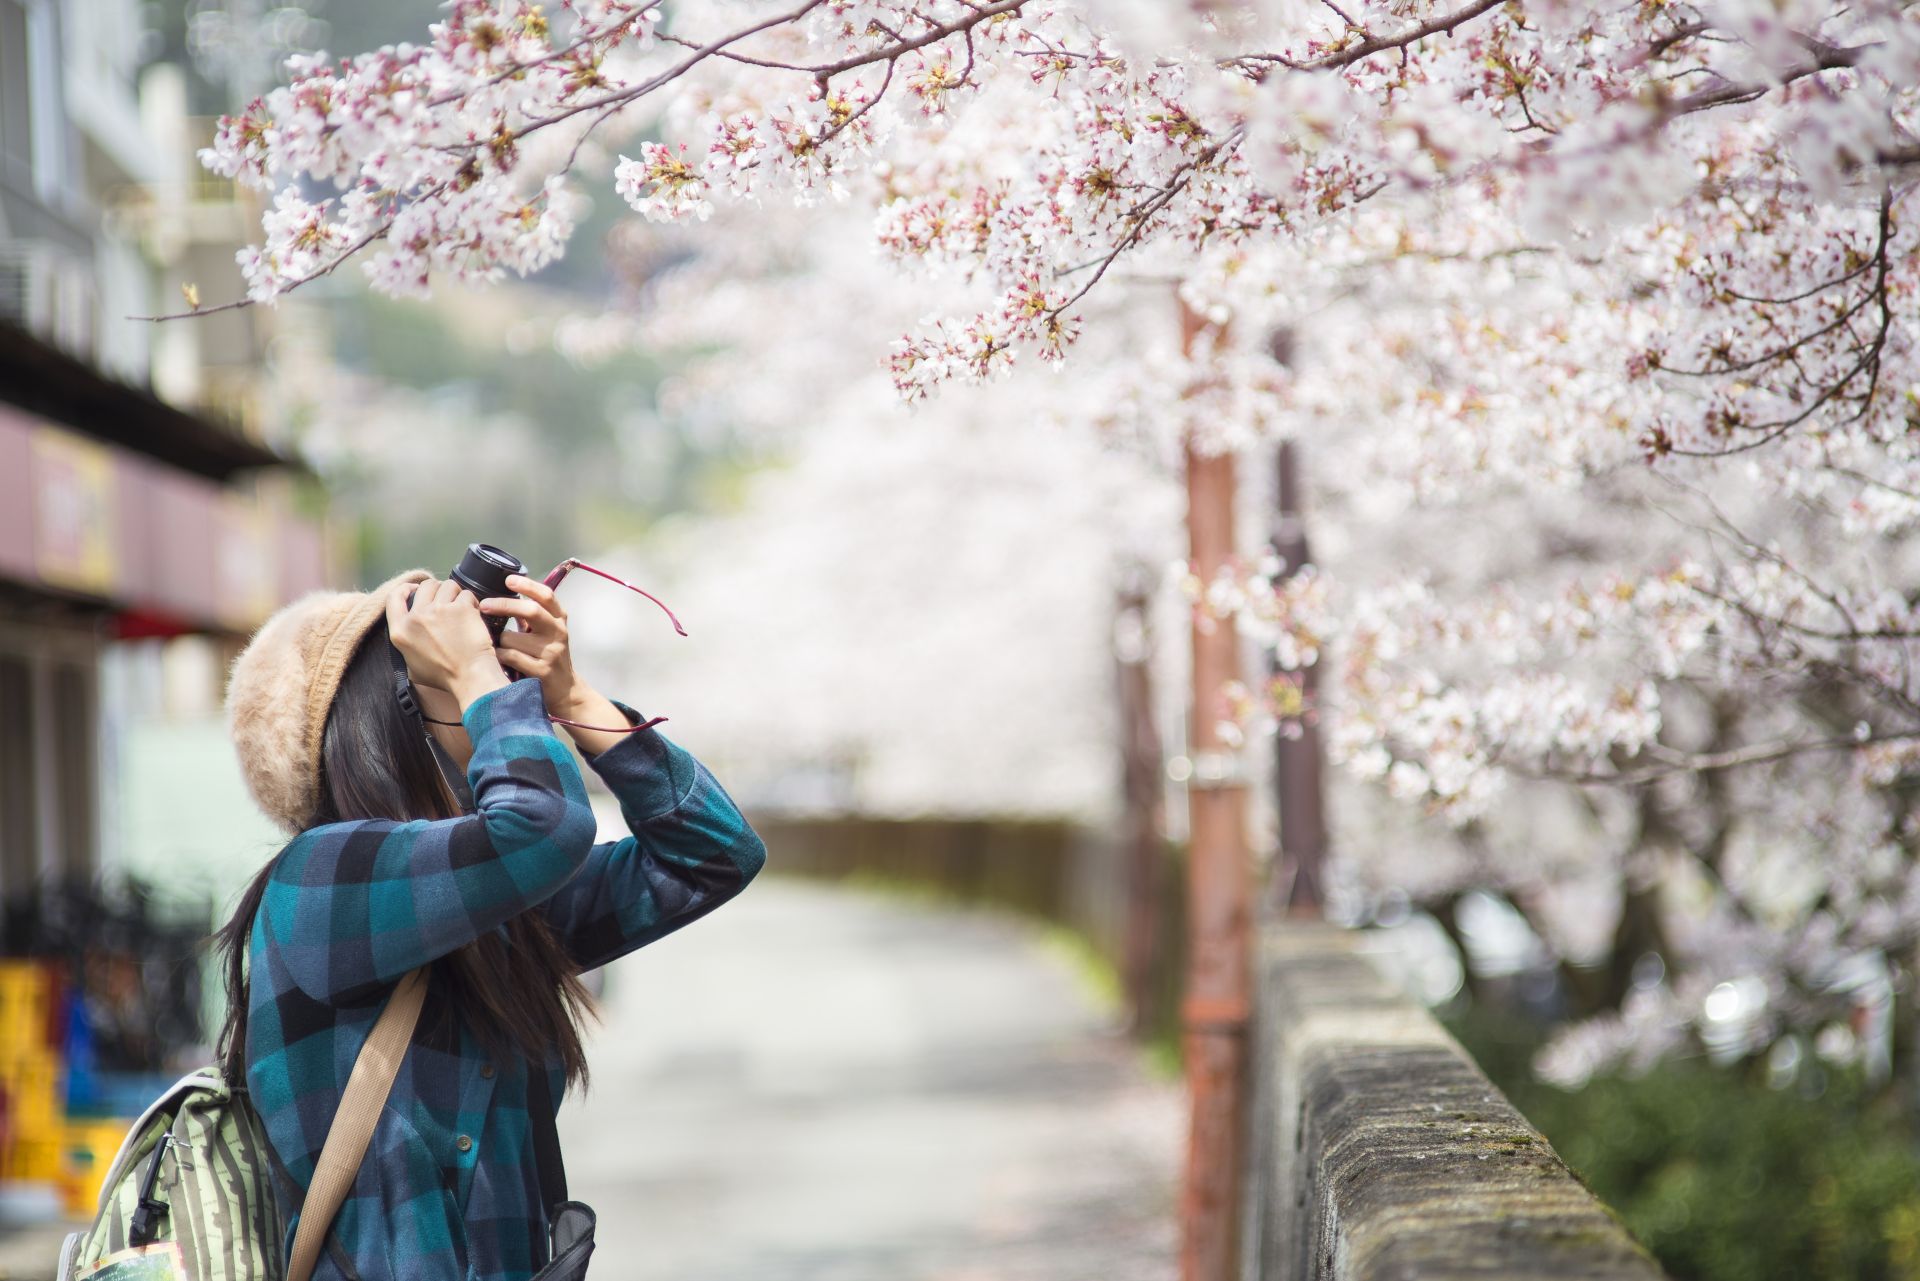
1600, 318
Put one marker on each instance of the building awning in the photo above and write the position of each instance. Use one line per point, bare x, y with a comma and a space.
43, 381
162, 551
112, 503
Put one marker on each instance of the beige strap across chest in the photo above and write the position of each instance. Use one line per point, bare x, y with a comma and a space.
352, 1129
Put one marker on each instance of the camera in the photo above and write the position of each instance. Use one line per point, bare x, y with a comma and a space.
483, 571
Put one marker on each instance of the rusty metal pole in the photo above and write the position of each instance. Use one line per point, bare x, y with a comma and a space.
1213, 1014
1299, 878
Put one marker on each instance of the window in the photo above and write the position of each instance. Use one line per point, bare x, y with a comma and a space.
16, 90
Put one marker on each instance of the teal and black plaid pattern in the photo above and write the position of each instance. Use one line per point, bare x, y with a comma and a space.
449, 1190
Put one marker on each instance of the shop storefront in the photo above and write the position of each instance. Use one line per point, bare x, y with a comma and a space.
121, 518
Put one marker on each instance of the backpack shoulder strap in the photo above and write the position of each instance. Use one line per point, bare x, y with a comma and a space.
352, 1128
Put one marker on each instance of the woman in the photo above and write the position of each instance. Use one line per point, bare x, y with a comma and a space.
505, 905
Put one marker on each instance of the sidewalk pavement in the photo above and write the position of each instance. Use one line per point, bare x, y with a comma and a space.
32, 1253
824, 1084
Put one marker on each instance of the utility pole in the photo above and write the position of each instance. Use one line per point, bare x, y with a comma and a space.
1299, 880
1142, 790
1214, 1011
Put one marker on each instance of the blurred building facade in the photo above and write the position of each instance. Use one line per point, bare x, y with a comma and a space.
149, 519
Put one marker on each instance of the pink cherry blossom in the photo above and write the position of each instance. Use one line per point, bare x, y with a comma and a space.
1597, 323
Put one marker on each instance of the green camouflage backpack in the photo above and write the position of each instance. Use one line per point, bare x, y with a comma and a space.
193, 1172
189, 1196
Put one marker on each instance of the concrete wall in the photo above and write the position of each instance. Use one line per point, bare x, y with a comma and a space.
1379, 1150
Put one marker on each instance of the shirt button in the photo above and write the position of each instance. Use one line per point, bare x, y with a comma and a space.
464, 1143
486, 1070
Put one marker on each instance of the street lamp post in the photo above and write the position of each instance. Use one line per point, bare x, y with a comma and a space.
1299, 882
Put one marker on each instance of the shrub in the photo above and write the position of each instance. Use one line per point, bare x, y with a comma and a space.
1725, 1177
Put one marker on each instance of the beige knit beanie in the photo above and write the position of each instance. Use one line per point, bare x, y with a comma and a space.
282, 686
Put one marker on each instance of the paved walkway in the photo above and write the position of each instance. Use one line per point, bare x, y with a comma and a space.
822, 1084
32, 1253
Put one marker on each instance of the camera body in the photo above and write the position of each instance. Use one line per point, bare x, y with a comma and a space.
483, 571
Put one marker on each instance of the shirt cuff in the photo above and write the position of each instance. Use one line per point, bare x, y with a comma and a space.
647, 772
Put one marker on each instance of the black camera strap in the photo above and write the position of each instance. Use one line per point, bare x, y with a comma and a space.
409, 702
546, 1137
570, 1225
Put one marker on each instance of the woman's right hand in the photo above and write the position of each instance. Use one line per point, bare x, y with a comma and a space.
444, 638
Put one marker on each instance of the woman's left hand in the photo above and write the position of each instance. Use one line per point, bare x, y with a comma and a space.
540, 649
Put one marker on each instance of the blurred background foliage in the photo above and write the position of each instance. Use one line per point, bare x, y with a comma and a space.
1722, 1174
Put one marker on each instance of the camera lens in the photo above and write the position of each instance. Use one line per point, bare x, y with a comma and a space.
484, 569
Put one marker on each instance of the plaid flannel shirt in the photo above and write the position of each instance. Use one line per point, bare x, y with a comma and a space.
449, 1189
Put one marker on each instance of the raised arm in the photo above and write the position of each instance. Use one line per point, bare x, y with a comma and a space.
352, 906
690, 850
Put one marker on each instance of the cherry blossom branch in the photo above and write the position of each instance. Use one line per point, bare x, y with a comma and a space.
1676, 763
1826, 58
514, 69
1868, 361
893, 53
1141, 215
1370, 43
1839, 635
1873, 482
1753, 549
1821, 288
823, 72
1779, 353
626, 97
328, 269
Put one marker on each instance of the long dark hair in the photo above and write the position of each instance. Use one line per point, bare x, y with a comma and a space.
520, 995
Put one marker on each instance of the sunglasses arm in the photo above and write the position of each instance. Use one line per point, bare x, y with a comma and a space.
552, 580
561, 570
